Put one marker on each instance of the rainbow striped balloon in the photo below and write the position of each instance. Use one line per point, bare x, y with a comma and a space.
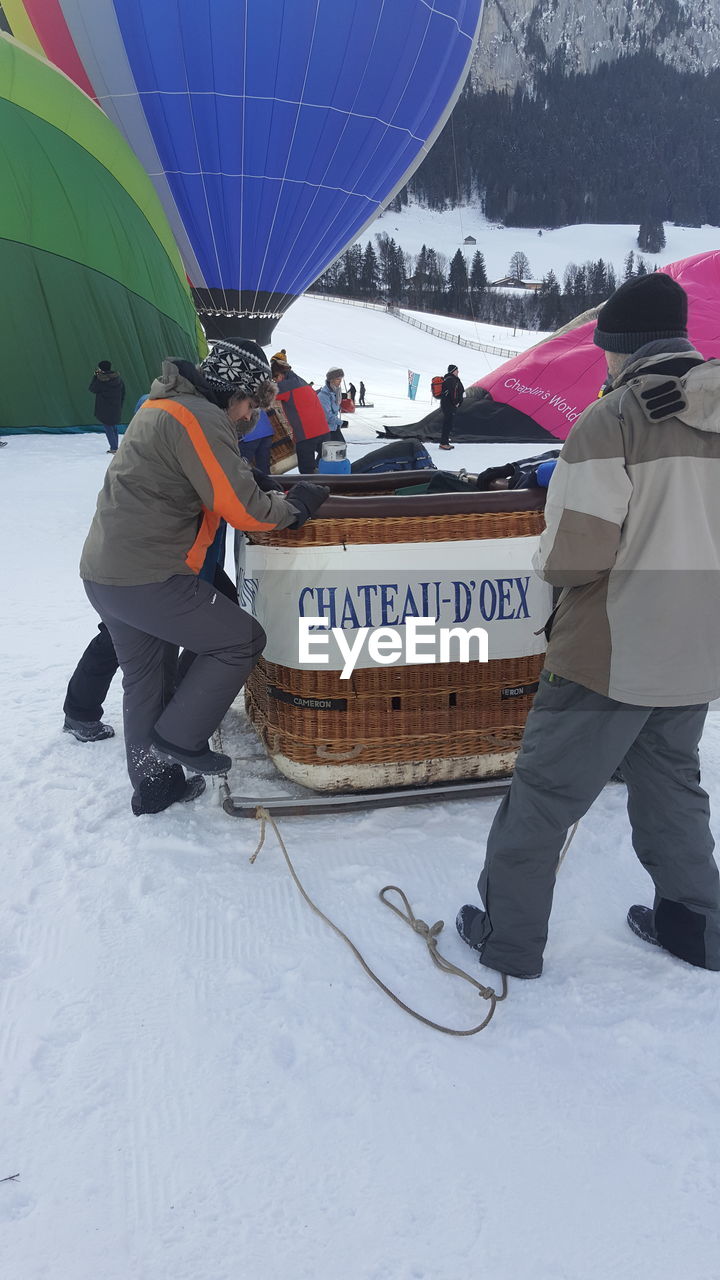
89, 266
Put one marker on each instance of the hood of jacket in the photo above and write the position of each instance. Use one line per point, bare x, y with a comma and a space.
181, 378
679, 384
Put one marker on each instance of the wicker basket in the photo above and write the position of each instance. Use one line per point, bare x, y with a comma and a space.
397, 725
383, 529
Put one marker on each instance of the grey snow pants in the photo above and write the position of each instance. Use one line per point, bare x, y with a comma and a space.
185, 610
574, 741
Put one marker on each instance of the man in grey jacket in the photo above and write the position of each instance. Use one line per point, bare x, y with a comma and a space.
632, 539
178, 474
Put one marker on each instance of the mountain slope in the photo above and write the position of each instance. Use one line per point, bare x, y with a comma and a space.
523, 38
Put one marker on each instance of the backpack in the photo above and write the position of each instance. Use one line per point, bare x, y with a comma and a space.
436, 386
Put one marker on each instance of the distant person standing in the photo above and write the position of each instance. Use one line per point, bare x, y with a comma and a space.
303, 413
452, 396
109, 390
361, 400
352, 391
329, 396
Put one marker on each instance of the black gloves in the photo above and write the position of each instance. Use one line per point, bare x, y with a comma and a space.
486, 479
268, 484
306, 497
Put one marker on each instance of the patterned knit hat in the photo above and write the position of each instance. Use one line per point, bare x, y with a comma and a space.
240, 365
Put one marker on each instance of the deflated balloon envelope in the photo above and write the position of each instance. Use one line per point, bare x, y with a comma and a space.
274, 130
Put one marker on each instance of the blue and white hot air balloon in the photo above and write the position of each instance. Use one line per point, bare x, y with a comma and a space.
274, 130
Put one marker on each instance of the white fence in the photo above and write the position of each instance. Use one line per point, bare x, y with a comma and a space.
455, 338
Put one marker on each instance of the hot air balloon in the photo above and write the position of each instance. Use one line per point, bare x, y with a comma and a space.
540, 394
88, 263
274, 130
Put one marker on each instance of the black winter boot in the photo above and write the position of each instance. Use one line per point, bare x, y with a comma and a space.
88, 730
157, 793
675, 928
466, 917
468, 923
640, 920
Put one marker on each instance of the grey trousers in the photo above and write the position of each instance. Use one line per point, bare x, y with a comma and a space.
185, 610
573, 742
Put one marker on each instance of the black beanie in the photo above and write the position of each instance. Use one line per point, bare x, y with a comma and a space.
644, 309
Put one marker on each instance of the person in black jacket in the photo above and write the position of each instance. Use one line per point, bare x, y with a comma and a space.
109, 390
452, 396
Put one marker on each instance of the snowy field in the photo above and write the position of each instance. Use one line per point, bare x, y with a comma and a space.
553, 250
200, 1083
497, 335
380, 350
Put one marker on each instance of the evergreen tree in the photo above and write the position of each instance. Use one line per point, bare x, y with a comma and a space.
597, 280
384, 255
641, 269
549, 305
436, 279
478, 274
395, 273
458, 284
580, 286
328, 281
629, 266
351, 267
651, 236
370, 272
418, 283
518, 148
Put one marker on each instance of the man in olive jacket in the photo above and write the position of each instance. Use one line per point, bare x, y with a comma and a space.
633, 541
178, 474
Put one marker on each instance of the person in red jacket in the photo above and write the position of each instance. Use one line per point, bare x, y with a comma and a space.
304, 413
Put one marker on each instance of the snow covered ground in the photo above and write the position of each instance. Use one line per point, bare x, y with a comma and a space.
553, 250
496, 335
380, 350
200, 1083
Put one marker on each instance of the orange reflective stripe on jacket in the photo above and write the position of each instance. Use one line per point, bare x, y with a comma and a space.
195, 557
226, 504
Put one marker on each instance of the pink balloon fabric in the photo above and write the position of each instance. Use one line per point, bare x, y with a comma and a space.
555, 382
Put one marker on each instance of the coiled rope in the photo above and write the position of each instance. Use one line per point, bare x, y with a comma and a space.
428, 932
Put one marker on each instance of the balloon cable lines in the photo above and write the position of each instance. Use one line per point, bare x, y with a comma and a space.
289, 151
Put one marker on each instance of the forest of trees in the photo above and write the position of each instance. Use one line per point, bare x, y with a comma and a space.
633, 140
383, 272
